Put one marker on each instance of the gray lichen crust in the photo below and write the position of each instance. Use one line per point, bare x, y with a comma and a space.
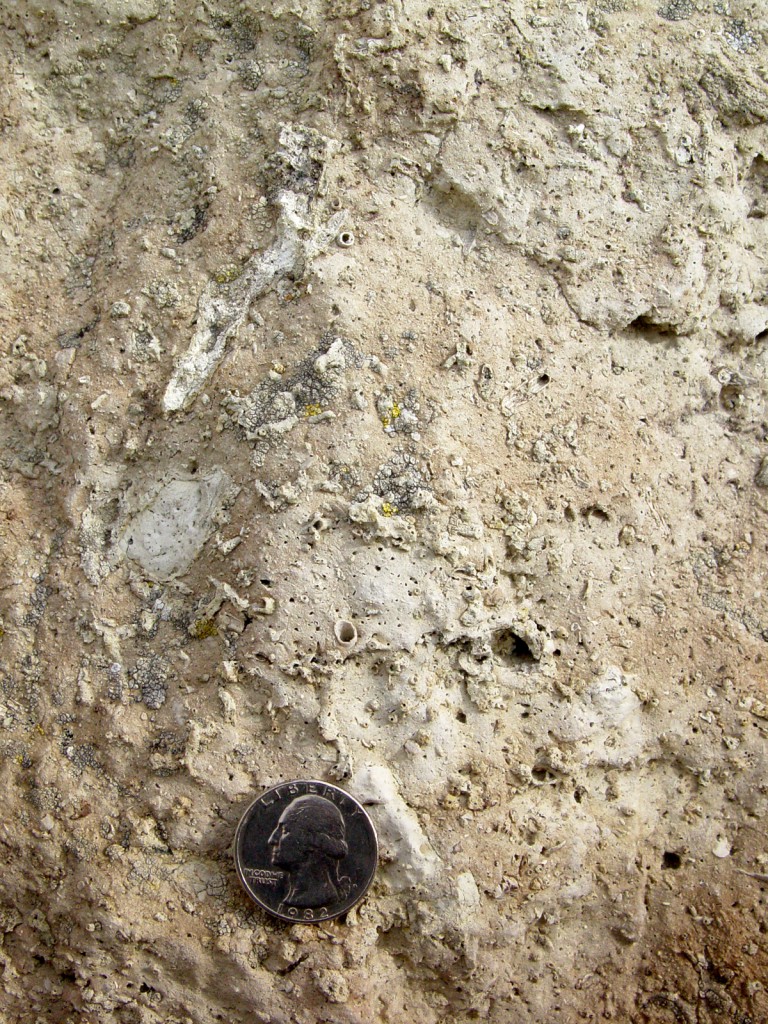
383, 401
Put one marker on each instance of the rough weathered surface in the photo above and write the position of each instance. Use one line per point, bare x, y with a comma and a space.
383, 393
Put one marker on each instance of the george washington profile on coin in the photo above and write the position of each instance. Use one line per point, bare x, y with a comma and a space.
306, 851
309, 841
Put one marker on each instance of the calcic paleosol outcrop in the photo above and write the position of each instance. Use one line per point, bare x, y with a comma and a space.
383, 402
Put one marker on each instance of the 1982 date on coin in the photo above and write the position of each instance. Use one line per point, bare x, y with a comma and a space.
306, 851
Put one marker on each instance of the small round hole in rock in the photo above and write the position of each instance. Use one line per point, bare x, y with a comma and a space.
345, 632
671, 859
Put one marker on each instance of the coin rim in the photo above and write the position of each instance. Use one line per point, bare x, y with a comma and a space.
236, 851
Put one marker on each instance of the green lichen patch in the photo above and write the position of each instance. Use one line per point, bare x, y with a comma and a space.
202, 629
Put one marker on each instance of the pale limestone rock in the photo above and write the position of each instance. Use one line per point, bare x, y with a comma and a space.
420, 349
167, 535
411, 861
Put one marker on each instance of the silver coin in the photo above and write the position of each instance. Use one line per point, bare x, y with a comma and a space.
306, 851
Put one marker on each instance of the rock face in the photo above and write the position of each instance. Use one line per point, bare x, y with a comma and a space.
384, 402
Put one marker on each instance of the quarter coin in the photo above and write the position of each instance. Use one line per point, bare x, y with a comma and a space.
306, 851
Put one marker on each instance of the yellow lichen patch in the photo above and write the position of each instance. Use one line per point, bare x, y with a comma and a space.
201, 629
227, 274
313, 409
388, 510
393, 413
278, 368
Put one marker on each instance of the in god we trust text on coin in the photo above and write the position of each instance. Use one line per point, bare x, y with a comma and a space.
306, 851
